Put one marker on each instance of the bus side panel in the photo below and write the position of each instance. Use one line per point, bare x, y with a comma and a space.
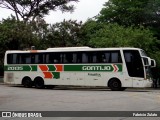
9, 78
77, 78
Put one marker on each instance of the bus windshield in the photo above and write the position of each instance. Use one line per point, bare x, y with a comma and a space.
143, 53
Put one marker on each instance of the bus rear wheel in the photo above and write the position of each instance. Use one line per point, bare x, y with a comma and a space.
39, 83
115, 85
27, 82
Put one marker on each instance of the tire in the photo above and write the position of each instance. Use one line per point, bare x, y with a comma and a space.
39, 83
115, 85
27, 82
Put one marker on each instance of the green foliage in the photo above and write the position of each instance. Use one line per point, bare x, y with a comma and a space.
16, 35
28, 10
114, 35
131, 12
63, 34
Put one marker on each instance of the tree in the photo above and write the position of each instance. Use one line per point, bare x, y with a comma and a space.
16, 35
28, 10
135, 13
113, 35
97, 34
64, 34
131, 12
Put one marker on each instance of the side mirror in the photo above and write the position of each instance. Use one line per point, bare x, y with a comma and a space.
153, 63
147, 61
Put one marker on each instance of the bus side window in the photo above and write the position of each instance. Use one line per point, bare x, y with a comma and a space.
100, 57
77, 57
107, 57
47, 60
84, 58
64, 58
103, 58
52, 58
74, 58
9, 58
32, 58
93, 58
114, 57
21, 59
69, 57
14, 59
38, 58
28, 59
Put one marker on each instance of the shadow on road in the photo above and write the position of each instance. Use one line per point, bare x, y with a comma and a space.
82, 88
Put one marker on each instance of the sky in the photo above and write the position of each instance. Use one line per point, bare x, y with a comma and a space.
84, 9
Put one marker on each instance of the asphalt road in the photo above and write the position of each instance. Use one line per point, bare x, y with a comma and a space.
78, 99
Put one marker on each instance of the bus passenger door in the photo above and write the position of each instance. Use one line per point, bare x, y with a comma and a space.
134, 67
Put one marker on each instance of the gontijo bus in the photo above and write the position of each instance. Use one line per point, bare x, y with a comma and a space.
116, 68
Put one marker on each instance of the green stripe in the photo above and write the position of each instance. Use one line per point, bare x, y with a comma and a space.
56, 75
51, 68
119, 67
89, 68
20, 68
34, 67
97, 68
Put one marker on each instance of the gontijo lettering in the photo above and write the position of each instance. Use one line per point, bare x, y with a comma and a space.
96, 68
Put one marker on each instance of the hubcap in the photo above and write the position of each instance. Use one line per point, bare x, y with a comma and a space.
115, 84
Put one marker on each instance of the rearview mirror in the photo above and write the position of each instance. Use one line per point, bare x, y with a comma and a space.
153, 63
147, 61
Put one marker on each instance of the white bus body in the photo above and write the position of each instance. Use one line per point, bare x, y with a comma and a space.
117, 68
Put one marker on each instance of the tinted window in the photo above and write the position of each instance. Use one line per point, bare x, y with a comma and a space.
9, 58
29, 58
65, 57
109, 57
102, 57
134, 63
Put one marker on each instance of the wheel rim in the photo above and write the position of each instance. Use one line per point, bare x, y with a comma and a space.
27, 83
39, 83
115, 84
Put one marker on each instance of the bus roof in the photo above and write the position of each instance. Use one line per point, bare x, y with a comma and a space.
70, 49
65, 48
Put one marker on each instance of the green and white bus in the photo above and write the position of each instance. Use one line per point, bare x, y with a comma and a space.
116, 68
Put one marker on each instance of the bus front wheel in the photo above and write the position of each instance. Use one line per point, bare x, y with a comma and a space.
39, 83
115, 85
